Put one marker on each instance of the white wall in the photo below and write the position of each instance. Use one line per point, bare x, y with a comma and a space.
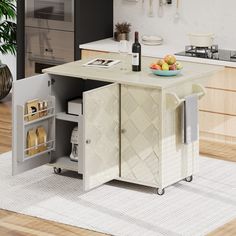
217, 16
11, 62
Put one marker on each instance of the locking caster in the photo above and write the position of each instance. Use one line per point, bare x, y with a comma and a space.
57, 170
189, 179
160, 191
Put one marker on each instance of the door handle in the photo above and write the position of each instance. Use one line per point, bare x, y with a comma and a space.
88, 141
123, 131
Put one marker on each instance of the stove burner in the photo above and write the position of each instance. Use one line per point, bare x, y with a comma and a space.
203, 52
233, 56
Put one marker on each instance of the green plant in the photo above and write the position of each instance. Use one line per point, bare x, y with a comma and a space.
7, 26
123, 28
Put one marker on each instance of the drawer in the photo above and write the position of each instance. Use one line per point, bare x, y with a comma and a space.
50, 43
219, 101
225, 79
91, 53
217, 124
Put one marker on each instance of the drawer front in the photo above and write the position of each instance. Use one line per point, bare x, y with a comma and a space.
90, 53
219, 101
218, 124
225, 79
51, 44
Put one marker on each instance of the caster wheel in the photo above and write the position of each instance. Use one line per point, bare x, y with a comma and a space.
57, 170
189, 179
160, 191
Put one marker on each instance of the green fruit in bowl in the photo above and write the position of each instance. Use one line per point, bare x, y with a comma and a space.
178, 66
165, 66
160, 62
170, 59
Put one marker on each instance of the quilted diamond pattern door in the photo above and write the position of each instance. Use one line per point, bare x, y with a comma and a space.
141, 129
101, 135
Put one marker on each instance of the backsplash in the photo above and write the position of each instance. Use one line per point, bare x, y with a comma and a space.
201, 16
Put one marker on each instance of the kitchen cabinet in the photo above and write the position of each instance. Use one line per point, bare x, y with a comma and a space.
97, 128
91, 53
130, 128
218, 115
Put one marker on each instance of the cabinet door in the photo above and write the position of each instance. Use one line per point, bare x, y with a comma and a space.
100, 136
140, 138
37, 87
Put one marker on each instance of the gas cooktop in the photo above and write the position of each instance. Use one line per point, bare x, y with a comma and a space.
212, 53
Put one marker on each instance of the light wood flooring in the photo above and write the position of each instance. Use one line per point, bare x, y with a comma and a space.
14, 224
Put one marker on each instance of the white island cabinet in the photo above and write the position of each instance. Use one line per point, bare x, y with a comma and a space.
130, 128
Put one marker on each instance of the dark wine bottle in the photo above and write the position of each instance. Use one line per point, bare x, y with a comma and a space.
136, 54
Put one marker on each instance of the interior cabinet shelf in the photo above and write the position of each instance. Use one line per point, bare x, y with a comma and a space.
65, 163
67, 117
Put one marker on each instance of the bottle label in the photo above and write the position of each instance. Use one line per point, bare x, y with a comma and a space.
135, 59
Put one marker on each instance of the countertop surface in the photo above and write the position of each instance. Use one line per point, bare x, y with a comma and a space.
109, 45
145, 78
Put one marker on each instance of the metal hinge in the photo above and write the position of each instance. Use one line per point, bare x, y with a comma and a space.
51, 82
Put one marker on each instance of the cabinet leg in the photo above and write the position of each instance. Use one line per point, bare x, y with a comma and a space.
57, 170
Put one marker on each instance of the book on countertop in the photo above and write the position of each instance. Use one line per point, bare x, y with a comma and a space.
102, 63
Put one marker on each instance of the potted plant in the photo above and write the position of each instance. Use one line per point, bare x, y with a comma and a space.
122, 31
7, 42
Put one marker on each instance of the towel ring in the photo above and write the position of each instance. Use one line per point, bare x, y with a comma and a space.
174, 101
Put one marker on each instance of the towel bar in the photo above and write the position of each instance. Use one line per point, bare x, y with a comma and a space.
173, 101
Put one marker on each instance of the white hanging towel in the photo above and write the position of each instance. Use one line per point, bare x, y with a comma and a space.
190, 125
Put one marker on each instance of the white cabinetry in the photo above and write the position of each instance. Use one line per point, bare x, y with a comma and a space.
126, 132
98, 127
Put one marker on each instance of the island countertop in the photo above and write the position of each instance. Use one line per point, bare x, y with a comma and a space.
191, 71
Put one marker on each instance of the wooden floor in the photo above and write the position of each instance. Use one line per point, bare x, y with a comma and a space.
14, 224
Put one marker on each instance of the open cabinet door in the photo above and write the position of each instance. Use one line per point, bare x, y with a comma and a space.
100, 136
37, 87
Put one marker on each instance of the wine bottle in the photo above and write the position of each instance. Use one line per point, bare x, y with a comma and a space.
136, 54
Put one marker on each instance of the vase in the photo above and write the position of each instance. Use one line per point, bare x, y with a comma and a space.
5, 81
121, 36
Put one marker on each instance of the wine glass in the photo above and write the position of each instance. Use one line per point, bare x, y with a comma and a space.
123, 50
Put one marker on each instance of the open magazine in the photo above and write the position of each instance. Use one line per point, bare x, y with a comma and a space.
102, 63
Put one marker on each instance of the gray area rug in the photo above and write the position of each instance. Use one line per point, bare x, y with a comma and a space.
118, 208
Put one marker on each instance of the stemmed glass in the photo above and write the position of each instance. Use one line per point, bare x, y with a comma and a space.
123, 50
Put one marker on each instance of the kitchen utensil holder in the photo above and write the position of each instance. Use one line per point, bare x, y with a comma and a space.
173, 101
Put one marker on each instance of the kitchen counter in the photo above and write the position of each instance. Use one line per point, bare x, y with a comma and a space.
109, 45
145, 78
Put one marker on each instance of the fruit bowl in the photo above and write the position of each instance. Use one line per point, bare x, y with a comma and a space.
166, 72
168, 66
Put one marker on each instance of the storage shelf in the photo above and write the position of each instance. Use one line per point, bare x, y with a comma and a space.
65, 163
67, 117
39, 119
26, 158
